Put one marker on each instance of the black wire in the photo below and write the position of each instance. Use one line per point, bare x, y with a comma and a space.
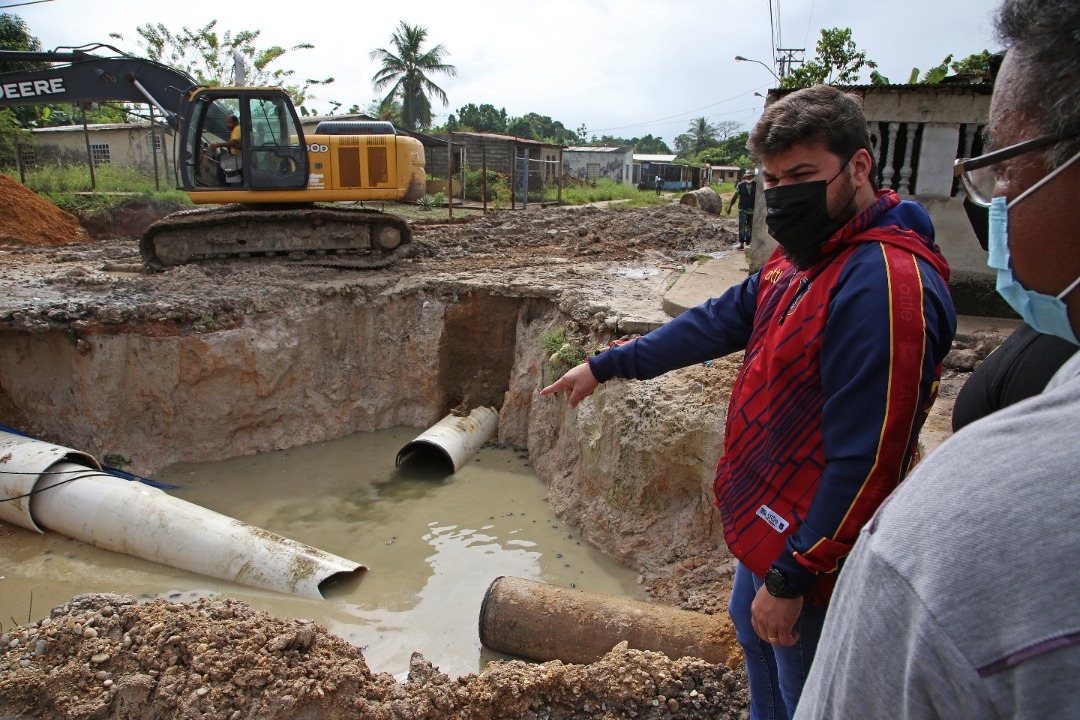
47, 472
91, 473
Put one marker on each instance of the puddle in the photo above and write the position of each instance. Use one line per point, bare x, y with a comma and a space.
432, 546
635, 273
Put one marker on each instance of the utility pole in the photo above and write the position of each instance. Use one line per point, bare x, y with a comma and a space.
786, 58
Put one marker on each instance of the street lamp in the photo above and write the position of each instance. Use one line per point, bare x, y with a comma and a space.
740, 58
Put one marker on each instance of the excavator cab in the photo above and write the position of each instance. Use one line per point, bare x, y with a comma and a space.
271, 156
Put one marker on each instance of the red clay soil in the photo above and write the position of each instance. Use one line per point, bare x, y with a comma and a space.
26, 219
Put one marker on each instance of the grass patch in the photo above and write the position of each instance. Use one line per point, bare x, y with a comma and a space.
433, 213
564, 350
604, 189
69, 188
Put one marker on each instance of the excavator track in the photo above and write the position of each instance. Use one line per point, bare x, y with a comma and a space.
328, 236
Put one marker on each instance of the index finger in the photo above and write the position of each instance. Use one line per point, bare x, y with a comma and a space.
553, 387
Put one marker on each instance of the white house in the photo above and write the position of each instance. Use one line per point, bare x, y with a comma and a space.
131, 144
590, 163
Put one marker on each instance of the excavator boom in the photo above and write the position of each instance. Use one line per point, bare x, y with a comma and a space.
91, 78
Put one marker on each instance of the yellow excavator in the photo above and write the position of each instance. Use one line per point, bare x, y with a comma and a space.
264, 177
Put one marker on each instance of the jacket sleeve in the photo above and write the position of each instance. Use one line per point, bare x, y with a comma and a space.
890, 324
715, 328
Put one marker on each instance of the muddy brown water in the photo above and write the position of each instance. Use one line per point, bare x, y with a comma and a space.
432, 545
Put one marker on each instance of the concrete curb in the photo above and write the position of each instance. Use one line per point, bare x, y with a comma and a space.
705, 280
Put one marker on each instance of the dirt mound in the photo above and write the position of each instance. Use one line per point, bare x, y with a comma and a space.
105, 656
28, 220
583, 233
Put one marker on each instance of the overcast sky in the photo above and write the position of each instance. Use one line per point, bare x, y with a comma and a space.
621, 67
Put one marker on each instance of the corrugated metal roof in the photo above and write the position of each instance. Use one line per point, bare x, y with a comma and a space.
596, 148
655, 158
94, 126
518, 140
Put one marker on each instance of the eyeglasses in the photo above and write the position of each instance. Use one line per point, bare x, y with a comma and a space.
977, 174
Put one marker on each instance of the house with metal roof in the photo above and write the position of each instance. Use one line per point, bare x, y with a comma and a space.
673, 176
130, 144
591, 163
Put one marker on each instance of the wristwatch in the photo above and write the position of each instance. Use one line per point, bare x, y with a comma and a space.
777, 585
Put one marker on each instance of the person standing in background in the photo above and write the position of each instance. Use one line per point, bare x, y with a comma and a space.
745, 193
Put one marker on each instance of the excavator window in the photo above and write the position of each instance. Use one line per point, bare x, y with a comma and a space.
276, 150
270, 153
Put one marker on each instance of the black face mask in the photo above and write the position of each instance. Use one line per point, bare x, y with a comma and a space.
979, 217
798, 218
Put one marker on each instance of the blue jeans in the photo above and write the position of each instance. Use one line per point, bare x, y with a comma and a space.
746, 226
776, 674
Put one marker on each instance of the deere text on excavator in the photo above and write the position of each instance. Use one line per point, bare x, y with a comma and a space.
259, 163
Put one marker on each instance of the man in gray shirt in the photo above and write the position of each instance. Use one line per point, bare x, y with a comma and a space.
960, 599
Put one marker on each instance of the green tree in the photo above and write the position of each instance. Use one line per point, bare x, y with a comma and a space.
650, 145
405, 71
478, 118
385, 110
15, 35
684, 144
837, 62
703, 133
210, 58
541, 127
729, 151
974, 64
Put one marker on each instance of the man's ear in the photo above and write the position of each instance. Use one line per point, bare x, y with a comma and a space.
861, 167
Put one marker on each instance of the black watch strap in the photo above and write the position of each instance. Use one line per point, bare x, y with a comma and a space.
777, 585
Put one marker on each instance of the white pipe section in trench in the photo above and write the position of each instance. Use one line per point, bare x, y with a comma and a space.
456, 438
62, 490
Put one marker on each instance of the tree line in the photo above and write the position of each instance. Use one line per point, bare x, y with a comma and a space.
406, 71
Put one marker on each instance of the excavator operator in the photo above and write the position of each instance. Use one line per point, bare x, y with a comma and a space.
228, 164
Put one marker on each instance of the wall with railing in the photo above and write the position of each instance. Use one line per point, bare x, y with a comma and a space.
917, 133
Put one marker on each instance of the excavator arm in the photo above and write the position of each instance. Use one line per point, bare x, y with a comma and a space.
79, 76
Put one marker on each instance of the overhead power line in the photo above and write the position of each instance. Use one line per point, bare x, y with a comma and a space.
28, 2
677, 116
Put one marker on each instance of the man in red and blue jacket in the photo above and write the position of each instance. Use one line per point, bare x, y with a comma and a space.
844, 331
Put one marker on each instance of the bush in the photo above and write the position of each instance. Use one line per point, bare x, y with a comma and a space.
474, 184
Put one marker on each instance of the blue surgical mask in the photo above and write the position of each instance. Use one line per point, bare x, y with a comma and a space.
1046, 313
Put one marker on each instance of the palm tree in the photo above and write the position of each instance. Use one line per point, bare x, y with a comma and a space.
703, 133
406, 73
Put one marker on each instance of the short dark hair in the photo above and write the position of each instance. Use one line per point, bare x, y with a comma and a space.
817, 114
1045, 37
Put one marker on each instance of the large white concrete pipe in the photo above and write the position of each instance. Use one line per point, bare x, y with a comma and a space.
455, 439
62, 490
